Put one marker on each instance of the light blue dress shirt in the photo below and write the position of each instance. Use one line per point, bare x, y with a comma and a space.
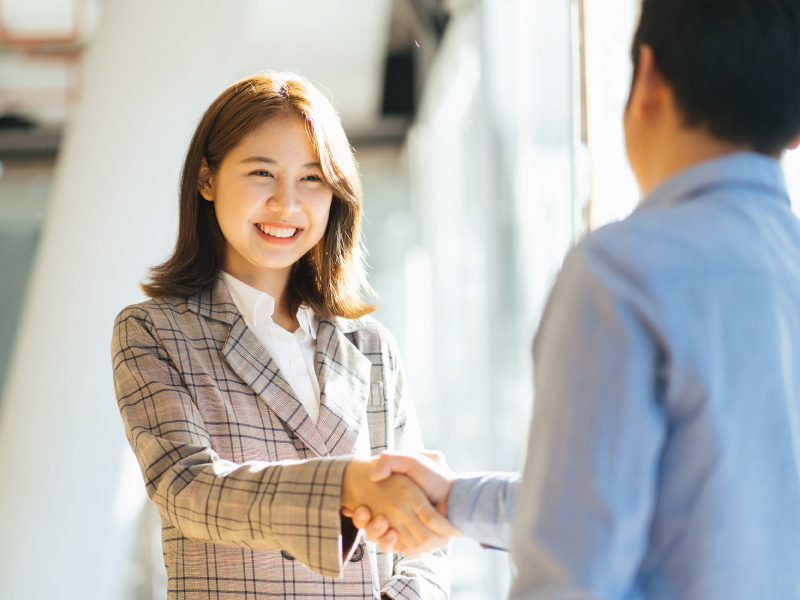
664, 456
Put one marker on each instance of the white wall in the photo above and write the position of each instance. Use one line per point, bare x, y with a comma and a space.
70, 496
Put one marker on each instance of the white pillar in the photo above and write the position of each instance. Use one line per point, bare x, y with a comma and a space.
68, 503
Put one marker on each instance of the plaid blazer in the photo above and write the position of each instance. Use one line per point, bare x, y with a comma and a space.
247, 487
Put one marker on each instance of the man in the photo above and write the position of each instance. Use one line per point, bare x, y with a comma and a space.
664, 455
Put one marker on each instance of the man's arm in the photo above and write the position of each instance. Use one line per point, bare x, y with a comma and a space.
588, 491
480, 505
585, 503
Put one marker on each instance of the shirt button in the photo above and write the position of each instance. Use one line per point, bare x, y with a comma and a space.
293, 365
359, 552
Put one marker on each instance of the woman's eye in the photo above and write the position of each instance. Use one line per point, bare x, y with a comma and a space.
261, 173
312, 178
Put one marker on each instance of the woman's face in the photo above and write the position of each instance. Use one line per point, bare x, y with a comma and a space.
271, 202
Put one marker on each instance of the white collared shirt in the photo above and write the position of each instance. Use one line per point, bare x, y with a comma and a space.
295, 353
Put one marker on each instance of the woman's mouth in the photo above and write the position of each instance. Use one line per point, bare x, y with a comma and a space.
278, 234
281, 232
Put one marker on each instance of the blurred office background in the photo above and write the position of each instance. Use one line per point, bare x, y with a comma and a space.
489, 138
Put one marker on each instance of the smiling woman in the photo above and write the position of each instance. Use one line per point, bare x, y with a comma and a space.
272, 204
251, 121
253, 386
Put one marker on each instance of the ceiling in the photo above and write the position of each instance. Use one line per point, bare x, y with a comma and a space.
342, 45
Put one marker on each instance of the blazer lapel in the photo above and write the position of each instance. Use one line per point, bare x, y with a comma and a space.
344, 375
250, 360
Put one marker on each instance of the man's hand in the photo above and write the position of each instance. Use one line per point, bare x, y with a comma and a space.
430, 474
400, 502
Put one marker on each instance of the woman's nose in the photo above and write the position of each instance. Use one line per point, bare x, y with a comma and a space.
284, 199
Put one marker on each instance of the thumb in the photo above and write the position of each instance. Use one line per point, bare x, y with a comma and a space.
382, 469
436, 456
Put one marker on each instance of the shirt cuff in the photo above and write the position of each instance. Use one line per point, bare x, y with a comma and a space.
481, 505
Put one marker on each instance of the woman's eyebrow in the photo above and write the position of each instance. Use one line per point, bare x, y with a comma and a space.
271, 161
263, 159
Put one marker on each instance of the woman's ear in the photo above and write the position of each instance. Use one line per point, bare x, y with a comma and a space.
204, 183
795, 144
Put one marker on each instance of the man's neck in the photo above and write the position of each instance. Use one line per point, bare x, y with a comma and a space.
680, 150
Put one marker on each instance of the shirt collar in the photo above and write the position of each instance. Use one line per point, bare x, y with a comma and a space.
308, 321
746, 169
253, 303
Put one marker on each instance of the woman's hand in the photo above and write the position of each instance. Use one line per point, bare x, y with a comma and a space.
399, 503
434, 480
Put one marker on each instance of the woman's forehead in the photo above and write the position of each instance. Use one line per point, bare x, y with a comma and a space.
280, 136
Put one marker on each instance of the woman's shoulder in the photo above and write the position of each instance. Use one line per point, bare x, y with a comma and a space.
367, 332
156, 310
366, 325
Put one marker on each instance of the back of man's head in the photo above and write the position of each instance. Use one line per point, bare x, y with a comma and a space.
733, 65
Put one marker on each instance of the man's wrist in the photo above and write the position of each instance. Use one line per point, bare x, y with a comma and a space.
444, 504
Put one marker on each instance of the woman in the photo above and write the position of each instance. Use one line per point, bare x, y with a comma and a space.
253, 373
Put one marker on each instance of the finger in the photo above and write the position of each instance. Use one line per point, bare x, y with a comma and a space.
382, 469
378, 527
388, 548
361, 517
419, 466
437, 523
409, 542
435, 455
348, 513
390, 540
389, 463
423, 538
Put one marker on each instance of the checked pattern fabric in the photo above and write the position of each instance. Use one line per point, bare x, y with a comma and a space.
247, 487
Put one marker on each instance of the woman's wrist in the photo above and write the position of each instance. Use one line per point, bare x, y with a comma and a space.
355, 473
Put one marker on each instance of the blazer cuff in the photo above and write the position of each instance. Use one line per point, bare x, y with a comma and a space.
312, 529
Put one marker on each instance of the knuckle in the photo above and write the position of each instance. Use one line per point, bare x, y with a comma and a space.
427, 515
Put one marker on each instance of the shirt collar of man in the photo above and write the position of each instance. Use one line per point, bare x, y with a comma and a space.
257, 307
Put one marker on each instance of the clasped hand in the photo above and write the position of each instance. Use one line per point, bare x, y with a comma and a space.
400, 500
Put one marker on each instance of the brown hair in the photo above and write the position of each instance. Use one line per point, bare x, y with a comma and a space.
330, 277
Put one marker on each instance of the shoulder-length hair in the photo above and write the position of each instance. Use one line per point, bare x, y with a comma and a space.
330, 277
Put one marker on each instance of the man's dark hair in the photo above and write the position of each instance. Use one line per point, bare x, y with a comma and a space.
733, 65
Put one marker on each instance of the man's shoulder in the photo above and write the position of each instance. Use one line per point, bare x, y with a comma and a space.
679, 239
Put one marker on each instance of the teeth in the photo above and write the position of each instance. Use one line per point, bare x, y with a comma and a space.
281, 232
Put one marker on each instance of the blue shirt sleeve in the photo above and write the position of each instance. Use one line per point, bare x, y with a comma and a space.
481, 505
589, 485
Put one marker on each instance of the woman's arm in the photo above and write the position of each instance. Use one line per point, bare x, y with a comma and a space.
252, 505
290, 505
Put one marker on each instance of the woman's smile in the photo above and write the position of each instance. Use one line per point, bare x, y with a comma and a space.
282, 235
270, 182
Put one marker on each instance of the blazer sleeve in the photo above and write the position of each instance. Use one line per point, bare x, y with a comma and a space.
252, 505
429, 575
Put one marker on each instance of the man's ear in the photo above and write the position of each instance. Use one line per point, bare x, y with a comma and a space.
648, 85
204, 183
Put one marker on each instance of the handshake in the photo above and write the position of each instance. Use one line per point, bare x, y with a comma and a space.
400, 500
